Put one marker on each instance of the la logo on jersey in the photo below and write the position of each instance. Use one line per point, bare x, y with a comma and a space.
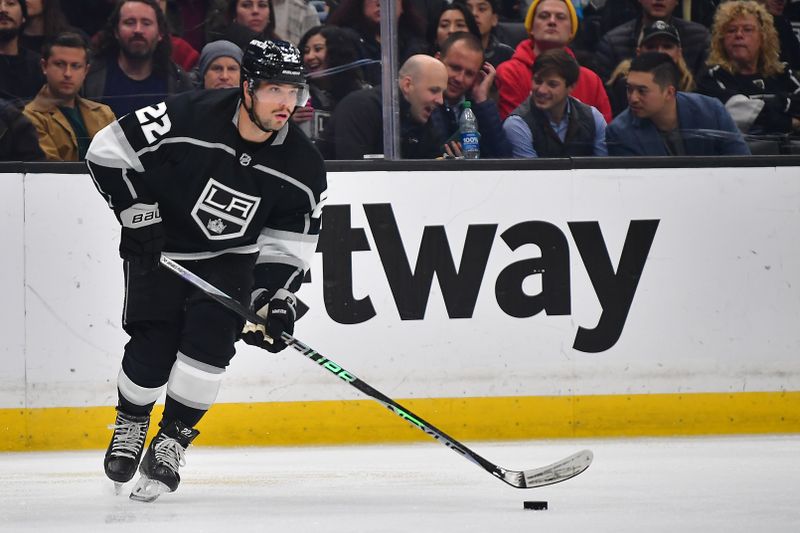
224, 213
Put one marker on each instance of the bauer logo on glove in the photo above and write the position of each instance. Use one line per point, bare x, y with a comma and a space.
279, 315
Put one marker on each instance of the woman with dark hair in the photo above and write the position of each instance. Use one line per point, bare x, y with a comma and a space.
327, 53
453, 18
246, 20
45, 20
364, 17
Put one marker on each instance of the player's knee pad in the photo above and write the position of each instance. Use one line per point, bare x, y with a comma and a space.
194, 383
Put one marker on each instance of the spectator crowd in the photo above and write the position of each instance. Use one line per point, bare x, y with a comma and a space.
544, 78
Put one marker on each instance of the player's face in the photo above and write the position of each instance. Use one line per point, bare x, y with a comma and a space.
450, 22
658, 9
253, 14
663, 45
645, 97
463, 66
274, 103
742, 40
484, 15
551, 23
425, 92
137, 31
10, 16
222, 73
315, 53
65, 71
549, 91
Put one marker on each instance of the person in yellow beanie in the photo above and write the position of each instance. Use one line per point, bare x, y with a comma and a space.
551, 24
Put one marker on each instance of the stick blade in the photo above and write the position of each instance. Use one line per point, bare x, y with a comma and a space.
557, 472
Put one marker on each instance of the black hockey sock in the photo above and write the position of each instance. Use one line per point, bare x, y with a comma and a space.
131, 408
175, 410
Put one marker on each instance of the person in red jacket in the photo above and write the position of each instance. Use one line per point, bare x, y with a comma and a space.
551, 24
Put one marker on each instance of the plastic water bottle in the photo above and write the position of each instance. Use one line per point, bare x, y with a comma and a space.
468, 125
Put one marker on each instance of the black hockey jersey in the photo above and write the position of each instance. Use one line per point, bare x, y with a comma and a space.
216, 192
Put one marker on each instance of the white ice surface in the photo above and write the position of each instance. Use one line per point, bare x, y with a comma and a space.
725, 484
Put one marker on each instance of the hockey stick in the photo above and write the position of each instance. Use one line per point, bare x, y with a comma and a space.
535, 477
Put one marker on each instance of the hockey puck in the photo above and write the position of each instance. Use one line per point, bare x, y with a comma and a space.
536, 506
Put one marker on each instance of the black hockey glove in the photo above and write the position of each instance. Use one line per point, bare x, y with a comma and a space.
279, 312
142, 237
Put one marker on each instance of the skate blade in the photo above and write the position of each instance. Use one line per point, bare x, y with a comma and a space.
147, 490
117, 488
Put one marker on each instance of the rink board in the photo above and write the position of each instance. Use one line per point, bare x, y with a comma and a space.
708, 344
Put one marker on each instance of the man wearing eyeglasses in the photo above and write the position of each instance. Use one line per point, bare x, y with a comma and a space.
223, 180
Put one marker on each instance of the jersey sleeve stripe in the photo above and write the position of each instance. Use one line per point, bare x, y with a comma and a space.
110, 148
188, 140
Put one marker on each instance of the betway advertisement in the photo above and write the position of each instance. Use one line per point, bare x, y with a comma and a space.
490, 283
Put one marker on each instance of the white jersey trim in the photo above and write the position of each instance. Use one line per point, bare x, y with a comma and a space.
277, 246
194, 256
110, 148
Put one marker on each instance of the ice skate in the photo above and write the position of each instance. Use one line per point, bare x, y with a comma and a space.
165, 455
125, 449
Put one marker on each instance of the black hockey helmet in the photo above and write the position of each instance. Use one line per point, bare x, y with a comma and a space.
276, 61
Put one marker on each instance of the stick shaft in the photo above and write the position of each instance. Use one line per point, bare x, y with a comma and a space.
334, 368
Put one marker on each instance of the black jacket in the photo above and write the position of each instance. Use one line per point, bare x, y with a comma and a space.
356, 129
621, 42
758, 105
94, 87
21, 76
18, 138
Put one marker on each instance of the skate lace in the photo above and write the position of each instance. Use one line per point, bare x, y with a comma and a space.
169, 452
128, 438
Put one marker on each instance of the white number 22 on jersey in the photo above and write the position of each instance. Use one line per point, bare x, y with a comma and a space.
155, 121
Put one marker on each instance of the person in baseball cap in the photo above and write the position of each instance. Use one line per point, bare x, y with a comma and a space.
660, 36
667, 32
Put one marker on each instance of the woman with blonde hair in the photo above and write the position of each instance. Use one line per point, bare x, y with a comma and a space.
745, 73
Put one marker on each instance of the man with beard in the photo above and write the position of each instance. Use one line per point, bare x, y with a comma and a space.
133, 68
20, 74
64, 121
356, 127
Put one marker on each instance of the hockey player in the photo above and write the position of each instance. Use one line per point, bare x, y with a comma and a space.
222, 181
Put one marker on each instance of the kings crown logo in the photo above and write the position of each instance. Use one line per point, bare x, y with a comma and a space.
216, 226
